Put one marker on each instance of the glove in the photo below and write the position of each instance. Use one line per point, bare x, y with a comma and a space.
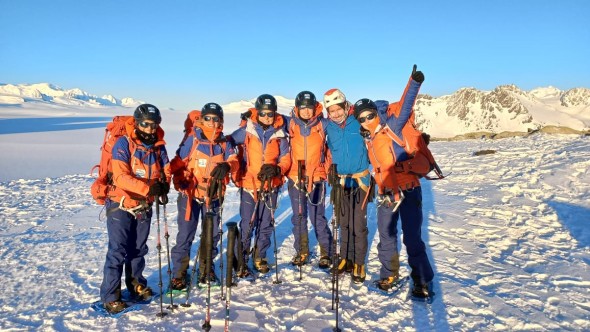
220, 171
158, 189
417, 76
163, 199
246, 115
333, 178
268, 171
365, 133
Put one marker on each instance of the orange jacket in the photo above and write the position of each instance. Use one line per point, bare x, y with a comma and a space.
261, 147
308, 143
136, 167
197, 156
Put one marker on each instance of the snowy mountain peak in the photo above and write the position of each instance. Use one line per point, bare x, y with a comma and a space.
45, 92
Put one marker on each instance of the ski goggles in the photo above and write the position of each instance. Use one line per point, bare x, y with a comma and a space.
211, 118
265, 114
368, 117
151, 125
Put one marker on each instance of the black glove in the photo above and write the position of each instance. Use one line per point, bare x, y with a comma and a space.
163, 199
333, 178
220, 171
417, 76
365, 133
246, 115
158, 189
268, 171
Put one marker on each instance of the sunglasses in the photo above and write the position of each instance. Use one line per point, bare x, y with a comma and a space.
152, 125
368, 117
269, 114
211, 118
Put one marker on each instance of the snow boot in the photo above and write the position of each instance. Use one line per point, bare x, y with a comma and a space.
422, 291
143, 292
345, 265
115, 307
359, 274
299, 259
325, 262
212, 278
261, 265
178, 283
387, 283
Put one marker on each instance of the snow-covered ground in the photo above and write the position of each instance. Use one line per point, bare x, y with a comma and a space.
507, 234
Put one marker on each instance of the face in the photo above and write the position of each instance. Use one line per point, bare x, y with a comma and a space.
147, 126
306, 113
266, 117
337, 113
211, 121
367, 118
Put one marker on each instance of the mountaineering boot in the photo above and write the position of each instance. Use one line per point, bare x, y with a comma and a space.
325, 262
178, 283
299, 259
261, 265
115, 307
359, 274
244, 273
345, 265
422, 291
387, 283
143, 292
212, 278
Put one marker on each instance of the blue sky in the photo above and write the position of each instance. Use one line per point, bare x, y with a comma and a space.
182, 54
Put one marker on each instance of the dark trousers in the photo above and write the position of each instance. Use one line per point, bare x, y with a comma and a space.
256, 222
127, 246
314, 208
410, 212
353, 226
180, 253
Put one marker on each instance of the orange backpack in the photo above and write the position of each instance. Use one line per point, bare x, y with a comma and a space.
104, 181
415, 142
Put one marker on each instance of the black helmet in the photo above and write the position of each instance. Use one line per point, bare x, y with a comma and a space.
212, 108
363, 105
305, 99
266, 102
147, 112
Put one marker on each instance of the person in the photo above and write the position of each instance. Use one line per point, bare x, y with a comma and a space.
399, 192
139, 159
349, 153
203, 162
308, 145
266, 157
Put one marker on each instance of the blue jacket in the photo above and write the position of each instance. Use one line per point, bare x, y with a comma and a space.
348, 149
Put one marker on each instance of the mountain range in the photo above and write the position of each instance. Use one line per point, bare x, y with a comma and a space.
468, 110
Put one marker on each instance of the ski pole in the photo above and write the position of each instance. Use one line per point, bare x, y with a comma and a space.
220, 198
336, 205
301, 175
274, 235
208, 229
159, 248
232, 231
167, 236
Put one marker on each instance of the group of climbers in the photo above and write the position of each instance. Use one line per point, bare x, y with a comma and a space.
267, 150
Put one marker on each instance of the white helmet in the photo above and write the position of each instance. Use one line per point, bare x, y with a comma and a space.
334, 97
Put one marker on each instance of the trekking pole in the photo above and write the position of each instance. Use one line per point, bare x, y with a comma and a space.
159, 248
232, 231
336, 198
251, 230
301, 178
167, 236
220, 198
274, 236
208, 230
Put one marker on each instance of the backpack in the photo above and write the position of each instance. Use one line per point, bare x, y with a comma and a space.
415, 143
104, 181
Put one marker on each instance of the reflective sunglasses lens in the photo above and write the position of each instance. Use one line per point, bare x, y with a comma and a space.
211, 118
152, 125
269, 114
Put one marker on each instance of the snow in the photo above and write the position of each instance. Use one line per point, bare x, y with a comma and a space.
507, 234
